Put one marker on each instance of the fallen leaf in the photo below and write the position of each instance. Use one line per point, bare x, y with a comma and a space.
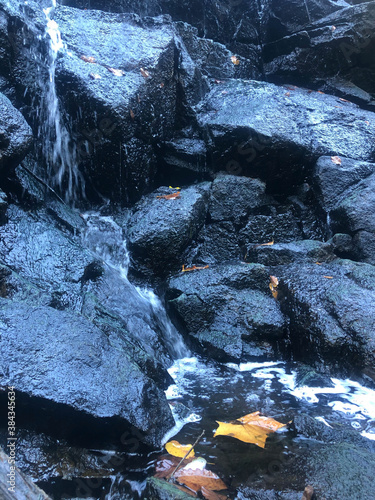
252, 428
161, 85
145, 73
287, 94
218, 81
367, 122
274, 281
318, 263
170, 187
343, 100
88, 59
198, 478
328, 277
166, 464
132, 115
212, 495
308, 493
185, 490
179, 450
336, 160
116, 72
95, 76
193, 268
292, 87
171, 196
235, 60
270, 243
333, 28
197, 463
320, 92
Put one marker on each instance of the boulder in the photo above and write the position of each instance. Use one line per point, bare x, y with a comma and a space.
228, 311
62, 358
15, 136
160, 229
278, 132
332, 318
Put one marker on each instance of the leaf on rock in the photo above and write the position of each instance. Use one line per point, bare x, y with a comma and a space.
287, 94
171, 196
253, 428
270, 243
116, 72
198, 478
179, 450
170, 187
336, 160
274, 282
235, 60
166, 464
343, 100
333, 28
145, 73
212, 495
95, 76
132, 115
193, 268
328, 277
88, 59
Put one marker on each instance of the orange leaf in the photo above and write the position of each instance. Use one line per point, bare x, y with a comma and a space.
252, 428
270, 243
200, 477
166, 464
287, 94
212, 495
320, 92
274, 281
145, 73
343, 100
88, 59
336, 160
171, 196
235, 60
132, 115
193, 268
328, 277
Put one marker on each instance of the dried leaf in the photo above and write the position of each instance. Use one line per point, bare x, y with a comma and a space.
270, 243
185, 490
212, 495
367, 122
88, 59
320, 92
333, 28
161, 85
132, 115
193, 268
166, 464
179, 450
116, 72
287, 94
343, 100
336, 160
252, 428
274, 281
308, 493
318, 263
218, 81
195, 479
328, 277
170, 187
171, 196
235, 60
145, 73
95, 76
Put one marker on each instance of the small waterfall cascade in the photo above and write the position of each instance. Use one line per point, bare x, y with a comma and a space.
104, 237
58, 149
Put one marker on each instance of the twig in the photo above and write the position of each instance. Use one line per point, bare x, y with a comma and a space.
182, 459
42, 182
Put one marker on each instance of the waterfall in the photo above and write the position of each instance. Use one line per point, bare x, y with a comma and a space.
58, 149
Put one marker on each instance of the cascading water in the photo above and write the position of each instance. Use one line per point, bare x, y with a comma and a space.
59, 150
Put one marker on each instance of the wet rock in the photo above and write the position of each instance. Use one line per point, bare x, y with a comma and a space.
3, 207
186, 154
331, 314
15, 136
348, 202
23, 485
160, 489
288, 132
340, 43
229, 311
233, 198
282, 227
63, 358
248, 493
160, 229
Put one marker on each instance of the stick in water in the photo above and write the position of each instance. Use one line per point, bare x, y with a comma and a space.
182, 459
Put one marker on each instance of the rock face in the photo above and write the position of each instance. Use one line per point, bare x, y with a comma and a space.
276, 132
69, 361
229, 310
15, 135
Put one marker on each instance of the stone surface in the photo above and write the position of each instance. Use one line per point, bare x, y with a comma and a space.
229, 310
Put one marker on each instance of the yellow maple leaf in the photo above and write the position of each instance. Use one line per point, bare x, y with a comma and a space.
253, 428
179, 450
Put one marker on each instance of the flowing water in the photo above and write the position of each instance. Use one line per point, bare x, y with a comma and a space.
58, 149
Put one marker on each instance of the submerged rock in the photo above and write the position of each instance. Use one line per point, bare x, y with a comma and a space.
61, 357
229, 311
